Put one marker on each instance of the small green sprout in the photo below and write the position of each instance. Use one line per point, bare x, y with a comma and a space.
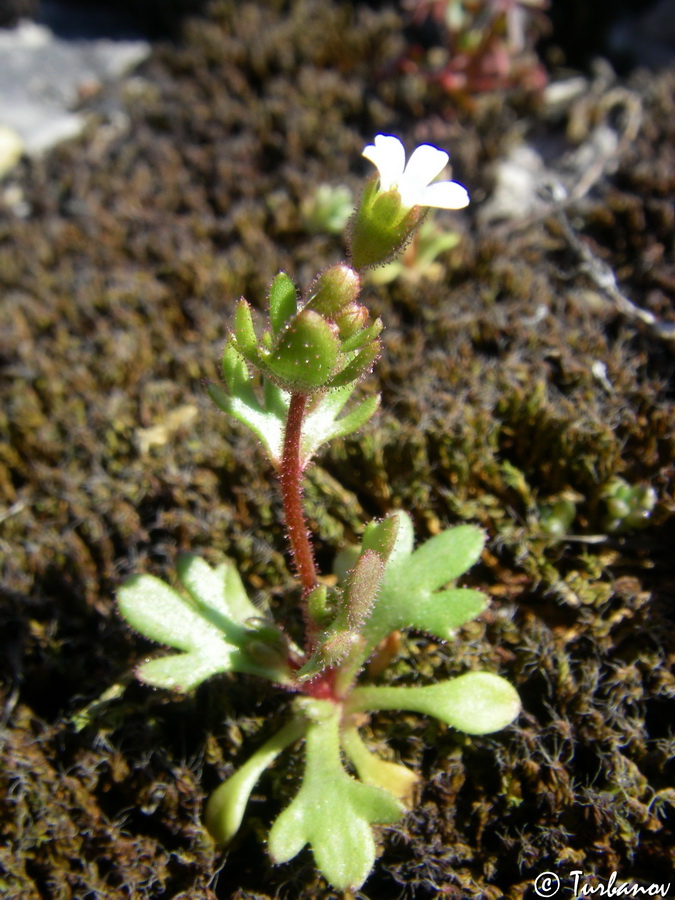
626, 507
290, 385
328, 209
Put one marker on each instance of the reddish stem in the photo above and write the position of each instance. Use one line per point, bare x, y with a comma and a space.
291, 492
323, 686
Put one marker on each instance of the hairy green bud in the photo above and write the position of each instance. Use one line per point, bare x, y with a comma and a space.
333, 291
304, 355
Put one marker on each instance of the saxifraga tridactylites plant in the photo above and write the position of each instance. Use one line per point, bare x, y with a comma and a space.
290, 386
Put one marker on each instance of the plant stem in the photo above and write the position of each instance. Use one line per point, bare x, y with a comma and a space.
291, 491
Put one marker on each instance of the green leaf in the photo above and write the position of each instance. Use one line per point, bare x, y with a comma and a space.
217, 590
237, 375
445, 556
267, 418
184, 671
393, 777
357, 417
410, 595
198, 625
382, 536
475, 703
405, 537
266, 422
283, 301
226, 806
244, 332
158, 612
318, 607
332, 812
161, 614
276, 400
322, 423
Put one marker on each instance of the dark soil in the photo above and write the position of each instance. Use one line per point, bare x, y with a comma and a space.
516, 377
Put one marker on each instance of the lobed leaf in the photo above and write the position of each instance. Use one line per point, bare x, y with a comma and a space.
158, 612
332, 812
266, 417
217, 590
242, 405
184, 671
322, 423
411, 595
445, 556
201, 625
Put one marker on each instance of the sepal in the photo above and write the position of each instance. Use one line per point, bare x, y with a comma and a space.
380, 226
283, 301
244, 332
359, 365
264, 418
305, 353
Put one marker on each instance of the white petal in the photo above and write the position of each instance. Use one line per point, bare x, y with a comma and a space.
445, 195
424, 165
388, 154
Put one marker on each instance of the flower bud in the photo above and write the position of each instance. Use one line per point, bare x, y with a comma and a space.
304, 355
333, 291
329, 342
351, 320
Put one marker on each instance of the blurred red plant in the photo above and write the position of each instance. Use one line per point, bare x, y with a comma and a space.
489, 44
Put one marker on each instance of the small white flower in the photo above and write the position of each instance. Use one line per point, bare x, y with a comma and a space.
413, 181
